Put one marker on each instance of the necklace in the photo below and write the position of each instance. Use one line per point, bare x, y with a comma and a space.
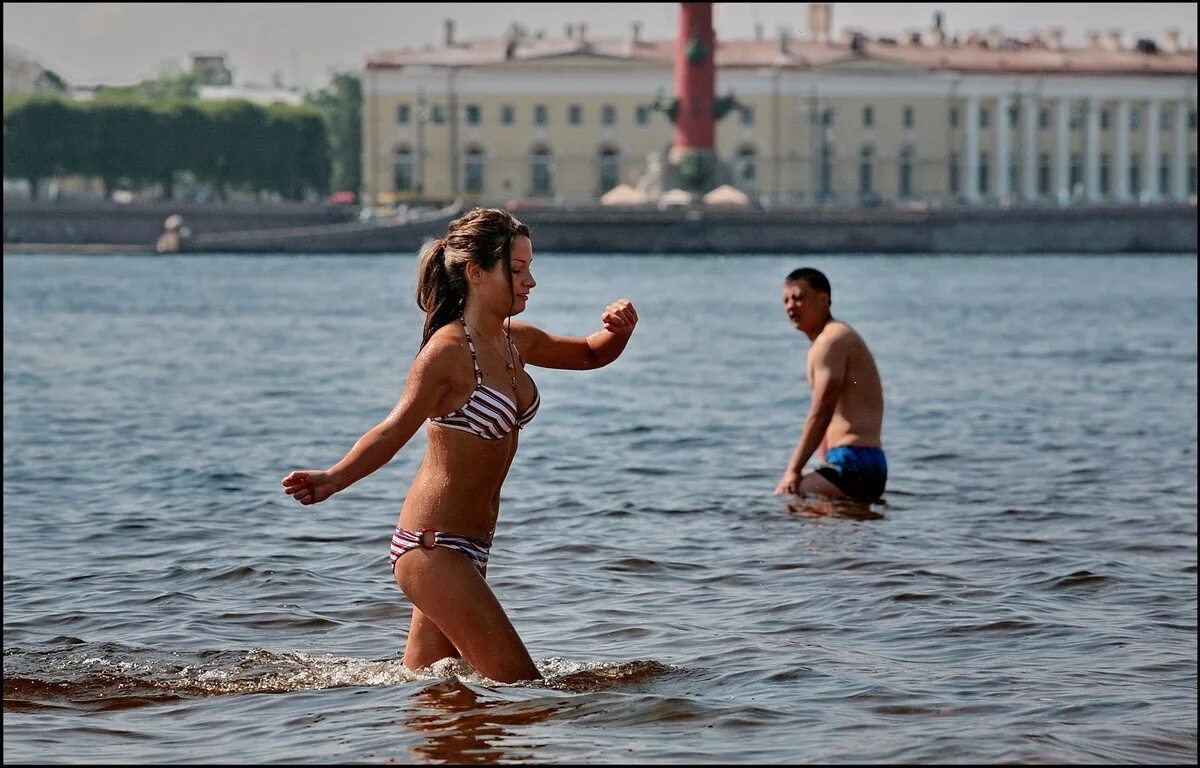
506, 359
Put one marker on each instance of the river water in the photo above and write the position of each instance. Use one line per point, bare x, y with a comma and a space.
1026, 591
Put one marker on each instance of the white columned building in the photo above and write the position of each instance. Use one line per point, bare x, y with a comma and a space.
1179, 177
1122, 163
1002, 159
972, 148
1091, 148
1029, 114
1062, 147
561, 120
1150, 166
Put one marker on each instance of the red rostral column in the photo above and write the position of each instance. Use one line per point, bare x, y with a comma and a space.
695, 77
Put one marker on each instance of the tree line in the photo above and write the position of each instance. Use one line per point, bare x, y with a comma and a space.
230, 145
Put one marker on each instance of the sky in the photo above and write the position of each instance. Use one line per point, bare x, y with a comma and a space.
302, 44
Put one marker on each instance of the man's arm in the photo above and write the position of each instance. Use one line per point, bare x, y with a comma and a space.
829, 364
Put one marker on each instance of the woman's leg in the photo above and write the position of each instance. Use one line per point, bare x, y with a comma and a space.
446, 589
426, 643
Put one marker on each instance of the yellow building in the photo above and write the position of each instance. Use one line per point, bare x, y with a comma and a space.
925, 119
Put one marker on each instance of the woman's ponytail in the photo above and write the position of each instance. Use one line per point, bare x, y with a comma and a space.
441, 292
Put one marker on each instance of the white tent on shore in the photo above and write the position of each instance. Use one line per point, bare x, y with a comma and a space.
727, 195
676, 197
623, 194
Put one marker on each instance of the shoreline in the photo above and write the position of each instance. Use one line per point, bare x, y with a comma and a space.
1094, 229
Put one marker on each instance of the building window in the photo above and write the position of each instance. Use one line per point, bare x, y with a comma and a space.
541, 115
508, 114
910, 118
1191, 185
1164, 174
610, 168
1104, 119
1135, 119
1192, 120
1014, 174
746, 115
984, 173
472, 114
608, 115
402, 170
1135, 175
1014, 114
866, 167
1076, 118
473, 168
1164, 120
1043, 118
953, 117
985, 117
1043, 185
1076, 178
438, 114
953, 182
1105, 170
540, 172
828, 116
826, 172
906, 171
403, 114
642, 116
868, 117
575, 115
745, 171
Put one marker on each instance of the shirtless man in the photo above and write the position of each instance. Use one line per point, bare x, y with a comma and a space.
846, 418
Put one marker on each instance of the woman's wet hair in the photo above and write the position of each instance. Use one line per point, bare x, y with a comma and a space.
813, 277
483, 236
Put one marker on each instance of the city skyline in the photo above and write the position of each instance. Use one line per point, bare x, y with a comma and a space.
302, 45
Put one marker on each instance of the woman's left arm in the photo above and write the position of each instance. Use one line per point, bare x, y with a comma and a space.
547, 350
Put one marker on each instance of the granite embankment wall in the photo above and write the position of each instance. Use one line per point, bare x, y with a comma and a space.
1168, 228
140, 224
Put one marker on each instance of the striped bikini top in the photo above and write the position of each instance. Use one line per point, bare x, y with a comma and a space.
488, 413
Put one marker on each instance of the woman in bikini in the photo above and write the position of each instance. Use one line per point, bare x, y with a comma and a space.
469, 383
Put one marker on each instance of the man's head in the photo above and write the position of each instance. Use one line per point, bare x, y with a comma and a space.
807, 298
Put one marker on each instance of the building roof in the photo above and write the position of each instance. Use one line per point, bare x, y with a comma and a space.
974, 56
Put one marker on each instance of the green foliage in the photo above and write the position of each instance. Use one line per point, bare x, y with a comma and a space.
230, 144
340, 105
38, 138
165, 88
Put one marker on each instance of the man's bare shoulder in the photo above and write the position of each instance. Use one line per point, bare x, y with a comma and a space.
834, 334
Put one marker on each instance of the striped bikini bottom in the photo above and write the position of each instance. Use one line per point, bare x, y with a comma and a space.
404, 540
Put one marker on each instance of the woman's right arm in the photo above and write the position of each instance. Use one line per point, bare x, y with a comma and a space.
428, 381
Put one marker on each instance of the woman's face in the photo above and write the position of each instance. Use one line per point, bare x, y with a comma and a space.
495, 284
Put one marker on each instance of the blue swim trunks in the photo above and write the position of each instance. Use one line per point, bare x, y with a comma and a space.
860, 473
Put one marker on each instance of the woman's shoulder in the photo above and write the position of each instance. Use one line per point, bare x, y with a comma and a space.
446, 347
519, 328
524, 334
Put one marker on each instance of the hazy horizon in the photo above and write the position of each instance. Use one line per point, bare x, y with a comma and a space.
303, 44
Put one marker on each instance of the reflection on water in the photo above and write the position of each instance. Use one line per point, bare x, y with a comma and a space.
820, 506
461, 727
